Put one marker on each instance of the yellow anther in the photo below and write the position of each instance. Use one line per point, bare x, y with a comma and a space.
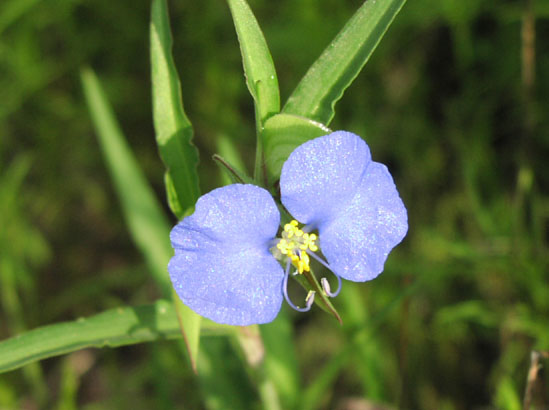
282, 246
296, 248
305, 259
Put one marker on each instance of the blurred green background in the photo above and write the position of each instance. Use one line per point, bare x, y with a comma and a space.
454, 101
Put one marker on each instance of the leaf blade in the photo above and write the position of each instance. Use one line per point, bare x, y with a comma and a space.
172, 127
115, 327
260, 74
339, 64
259, 69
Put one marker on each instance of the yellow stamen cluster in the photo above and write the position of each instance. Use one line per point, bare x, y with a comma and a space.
294, 244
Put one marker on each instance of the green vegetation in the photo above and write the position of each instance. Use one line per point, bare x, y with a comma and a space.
97, 100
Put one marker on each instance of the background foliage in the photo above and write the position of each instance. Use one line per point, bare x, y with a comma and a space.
445, 101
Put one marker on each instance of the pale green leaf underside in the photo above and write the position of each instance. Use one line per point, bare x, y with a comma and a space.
339, 64
281, 134
173, 128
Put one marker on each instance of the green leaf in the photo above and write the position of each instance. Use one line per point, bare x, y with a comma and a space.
282, 134
260, 73
173, 129
171, 196
148, 226
112, 328
339, 64
258, 64
116, 327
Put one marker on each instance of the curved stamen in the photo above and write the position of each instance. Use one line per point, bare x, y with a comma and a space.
326, 286
308, 300
324, 281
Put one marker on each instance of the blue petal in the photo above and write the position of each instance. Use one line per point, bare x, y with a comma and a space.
323, 174
222, 268
332, 184
357, 241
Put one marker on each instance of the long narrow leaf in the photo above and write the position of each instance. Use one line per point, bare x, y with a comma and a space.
337, 67
116, 327
173, 129
112, 328
260, 73
258, 64
148, 225
174, 138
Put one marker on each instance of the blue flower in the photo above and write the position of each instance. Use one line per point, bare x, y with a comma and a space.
227, 263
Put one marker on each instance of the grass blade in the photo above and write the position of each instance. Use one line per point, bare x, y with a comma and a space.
339, 64
173, 129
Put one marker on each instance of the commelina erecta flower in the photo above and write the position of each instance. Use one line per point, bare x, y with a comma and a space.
231, 267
